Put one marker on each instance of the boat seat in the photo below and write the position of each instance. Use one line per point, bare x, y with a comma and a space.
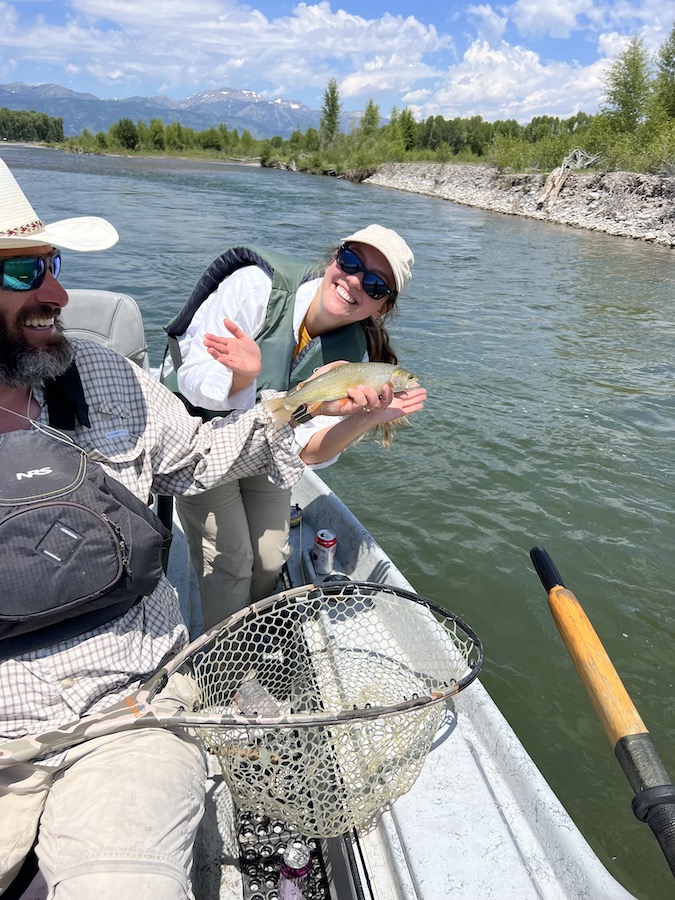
109, 318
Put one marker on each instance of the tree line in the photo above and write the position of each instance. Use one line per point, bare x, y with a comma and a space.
20, 125
634, 130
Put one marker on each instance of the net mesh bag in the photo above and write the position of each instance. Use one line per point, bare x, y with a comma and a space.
335, 695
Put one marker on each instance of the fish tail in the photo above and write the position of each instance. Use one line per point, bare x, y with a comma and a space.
275, 407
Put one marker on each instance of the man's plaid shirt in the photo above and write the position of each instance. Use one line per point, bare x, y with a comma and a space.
142, 435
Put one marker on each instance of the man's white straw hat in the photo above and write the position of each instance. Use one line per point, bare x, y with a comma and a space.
20, 225
391, 244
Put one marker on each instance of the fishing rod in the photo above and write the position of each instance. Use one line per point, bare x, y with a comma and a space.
654, 800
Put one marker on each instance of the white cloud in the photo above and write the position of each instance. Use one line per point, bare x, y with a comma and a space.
556, 19
506, 82
489, 25
209, 43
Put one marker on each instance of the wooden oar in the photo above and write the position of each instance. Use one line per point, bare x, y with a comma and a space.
654, 801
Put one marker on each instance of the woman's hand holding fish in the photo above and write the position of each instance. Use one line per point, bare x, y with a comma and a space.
386, 406
370, 409
359, 399
342, 389
404, 403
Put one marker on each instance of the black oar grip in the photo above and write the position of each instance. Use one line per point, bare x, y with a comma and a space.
656, 810
651, 799
641, 763
545, 568
654, 800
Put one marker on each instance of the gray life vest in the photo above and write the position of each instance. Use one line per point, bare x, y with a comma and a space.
78, 548
280, 371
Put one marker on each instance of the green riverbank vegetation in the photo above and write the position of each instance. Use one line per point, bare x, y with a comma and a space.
30, 127
633, 131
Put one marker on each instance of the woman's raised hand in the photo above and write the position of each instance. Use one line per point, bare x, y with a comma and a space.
238, 351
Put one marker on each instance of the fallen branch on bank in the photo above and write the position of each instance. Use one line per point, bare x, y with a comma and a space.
577, 159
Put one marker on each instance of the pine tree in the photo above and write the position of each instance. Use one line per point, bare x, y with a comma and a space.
370, 120
408, 130
329, 123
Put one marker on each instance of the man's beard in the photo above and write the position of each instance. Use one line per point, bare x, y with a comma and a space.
23, 365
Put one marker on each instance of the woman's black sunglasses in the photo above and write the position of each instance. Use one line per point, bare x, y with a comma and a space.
26, 273
376, 287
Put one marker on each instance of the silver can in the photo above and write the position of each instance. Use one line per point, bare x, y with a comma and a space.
323, 552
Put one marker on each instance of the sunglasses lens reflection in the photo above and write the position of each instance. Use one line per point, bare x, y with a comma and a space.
374, 286
23, 273
26, 273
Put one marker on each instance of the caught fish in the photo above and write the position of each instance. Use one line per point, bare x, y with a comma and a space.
333, 385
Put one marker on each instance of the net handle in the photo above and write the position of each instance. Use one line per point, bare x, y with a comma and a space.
134, 711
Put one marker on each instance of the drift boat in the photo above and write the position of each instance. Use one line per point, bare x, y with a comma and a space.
479, 822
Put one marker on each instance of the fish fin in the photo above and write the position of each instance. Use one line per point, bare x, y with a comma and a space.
344, 401
275, 407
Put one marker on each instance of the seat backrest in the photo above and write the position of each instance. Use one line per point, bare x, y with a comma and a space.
109, 318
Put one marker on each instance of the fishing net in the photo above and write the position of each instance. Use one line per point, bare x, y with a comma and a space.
330, 699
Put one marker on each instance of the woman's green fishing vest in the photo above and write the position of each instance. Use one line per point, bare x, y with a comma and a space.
280, 371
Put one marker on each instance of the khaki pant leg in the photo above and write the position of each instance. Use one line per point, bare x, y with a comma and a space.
216, 529
268, 513
120, 820
23, 791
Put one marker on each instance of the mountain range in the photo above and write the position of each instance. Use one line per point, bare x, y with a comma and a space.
240, 109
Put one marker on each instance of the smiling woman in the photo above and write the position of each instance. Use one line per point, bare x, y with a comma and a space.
264, 320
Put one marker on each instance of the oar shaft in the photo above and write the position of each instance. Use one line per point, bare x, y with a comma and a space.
615, 709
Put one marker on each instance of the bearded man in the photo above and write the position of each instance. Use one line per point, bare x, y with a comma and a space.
116, 816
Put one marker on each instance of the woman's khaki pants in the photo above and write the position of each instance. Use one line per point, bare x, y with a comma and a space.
238, 539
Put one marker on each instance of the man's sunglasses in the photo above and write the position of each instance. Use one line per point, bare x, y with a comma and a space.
26, 273
376, 287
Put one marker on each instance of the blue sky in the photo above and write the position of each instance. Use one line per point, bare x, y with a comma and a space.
437, 57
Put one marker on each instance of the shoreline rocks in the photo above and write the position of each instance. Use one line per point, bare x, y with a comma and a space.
626, 204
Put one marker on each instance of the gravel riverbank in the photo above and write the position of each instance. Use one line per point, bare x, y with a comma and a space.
626, 204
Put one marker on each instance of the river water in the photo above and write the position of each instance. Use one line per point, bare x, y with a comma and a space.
548, 356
